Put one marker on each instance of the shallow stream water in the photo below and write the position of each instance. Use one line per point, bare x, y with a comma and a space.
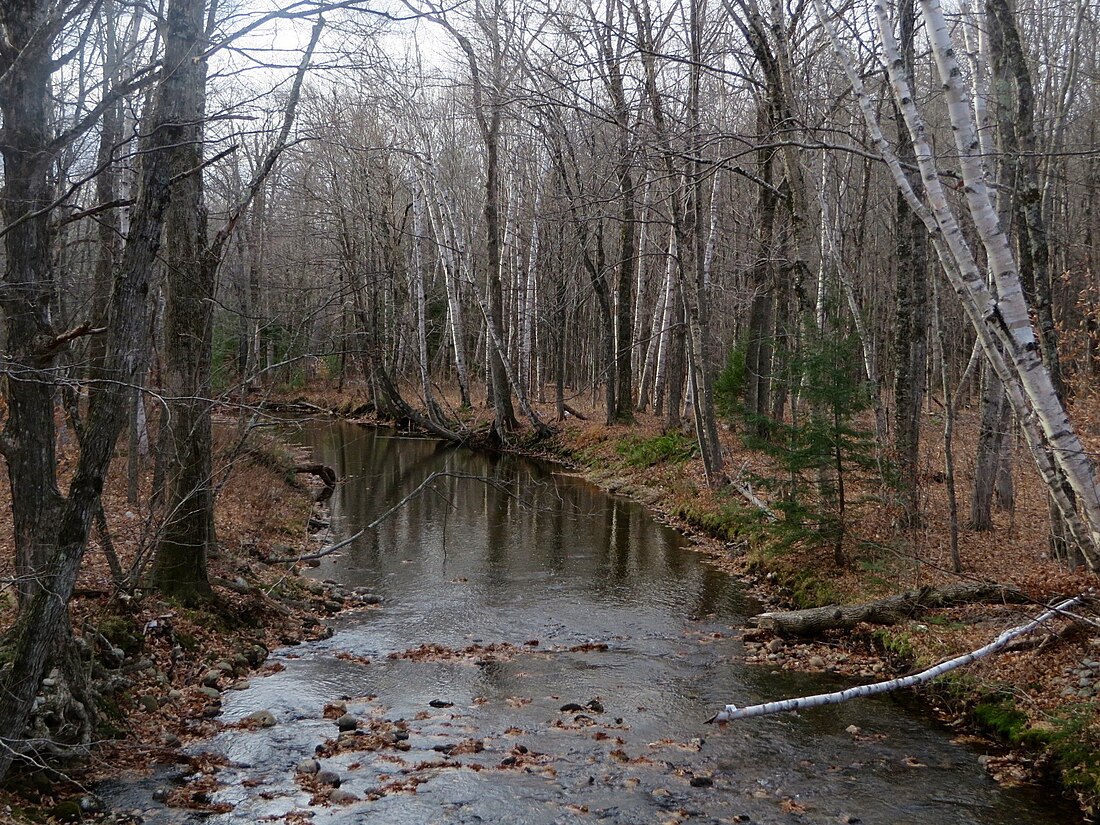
588, 602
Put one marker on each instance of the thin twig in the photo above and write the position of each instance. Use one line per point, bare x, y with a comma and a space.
320, 554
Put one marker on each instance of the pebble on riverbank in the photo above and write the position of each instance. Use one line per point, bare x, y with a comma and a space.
809, 656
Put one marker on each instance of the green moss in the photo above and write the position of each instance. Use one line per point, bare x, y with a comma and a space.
1070, 740
998, 716
187, 641
588, 457
806, 590
671, 447
122, 633
895, 643
1073, 741
725, 521
1067, 742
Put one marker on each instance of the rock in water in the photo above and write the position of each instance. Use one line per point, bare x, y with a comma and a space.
263, 718
347, 722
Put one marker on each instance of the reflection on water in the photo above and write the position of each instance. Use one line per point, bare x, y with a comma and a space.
495, 523
600, 603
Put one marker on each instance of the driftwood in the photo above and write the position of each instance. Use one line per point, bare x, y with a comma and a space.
891, 610
327, 476
1002, 642
575, 413
745, 491
320, 554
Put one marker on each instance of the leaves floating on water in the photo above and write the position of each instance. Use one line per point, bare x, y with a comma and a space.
345, 656
588, 647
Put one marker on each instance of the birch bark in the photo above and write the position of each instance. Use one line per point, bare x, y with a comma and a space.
1028, 386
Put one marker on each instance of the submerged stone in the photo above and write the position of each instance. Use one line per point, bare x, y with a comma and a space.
263, 718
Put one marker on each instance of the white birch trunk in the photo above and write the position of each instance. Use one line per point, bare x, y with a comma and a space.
528, 293
641, 357
823, 265
731, 712
645, 385
665, 339
712, 233
1010, 312
417, 262
977, 50
966, 279
509, 271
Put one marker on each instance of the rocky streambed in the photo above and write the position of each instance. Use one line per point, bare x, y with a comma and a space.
544, 652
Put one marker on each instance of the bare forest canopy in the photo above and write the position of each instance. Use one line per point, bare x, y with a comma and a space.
814, 220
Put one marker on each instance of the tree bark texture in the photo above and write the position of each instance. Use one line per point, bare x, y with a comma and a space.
44, 615
911, 302
188, 536
888, 611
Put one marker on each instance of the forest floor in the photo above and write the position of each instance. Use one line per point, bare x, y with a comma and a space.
1039, 703
159, 667
169, 664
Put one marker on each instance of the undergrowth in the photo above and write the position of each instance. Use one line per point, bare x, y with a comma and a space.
672, 447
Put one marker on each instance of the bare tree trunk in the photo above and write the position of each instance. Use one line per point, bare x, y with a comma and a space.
693, 280
453, 253
624, 175
27, 295
675, 369
1001, 323
488, 114
188, 533
527, 372
939, 343
417, 265
43, 619
188, 536
668, 304
911, 302
1015, 100
990, 437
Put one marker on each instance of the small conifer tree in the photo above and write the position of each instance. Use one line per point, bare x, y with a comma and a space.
816, 453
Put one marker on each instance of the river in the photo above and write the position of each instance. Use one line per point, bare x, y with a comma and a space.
535, 592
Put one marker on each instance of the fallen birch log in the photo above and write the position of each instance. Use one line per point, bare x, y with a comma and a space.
745, 491
891, 610
731, 712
